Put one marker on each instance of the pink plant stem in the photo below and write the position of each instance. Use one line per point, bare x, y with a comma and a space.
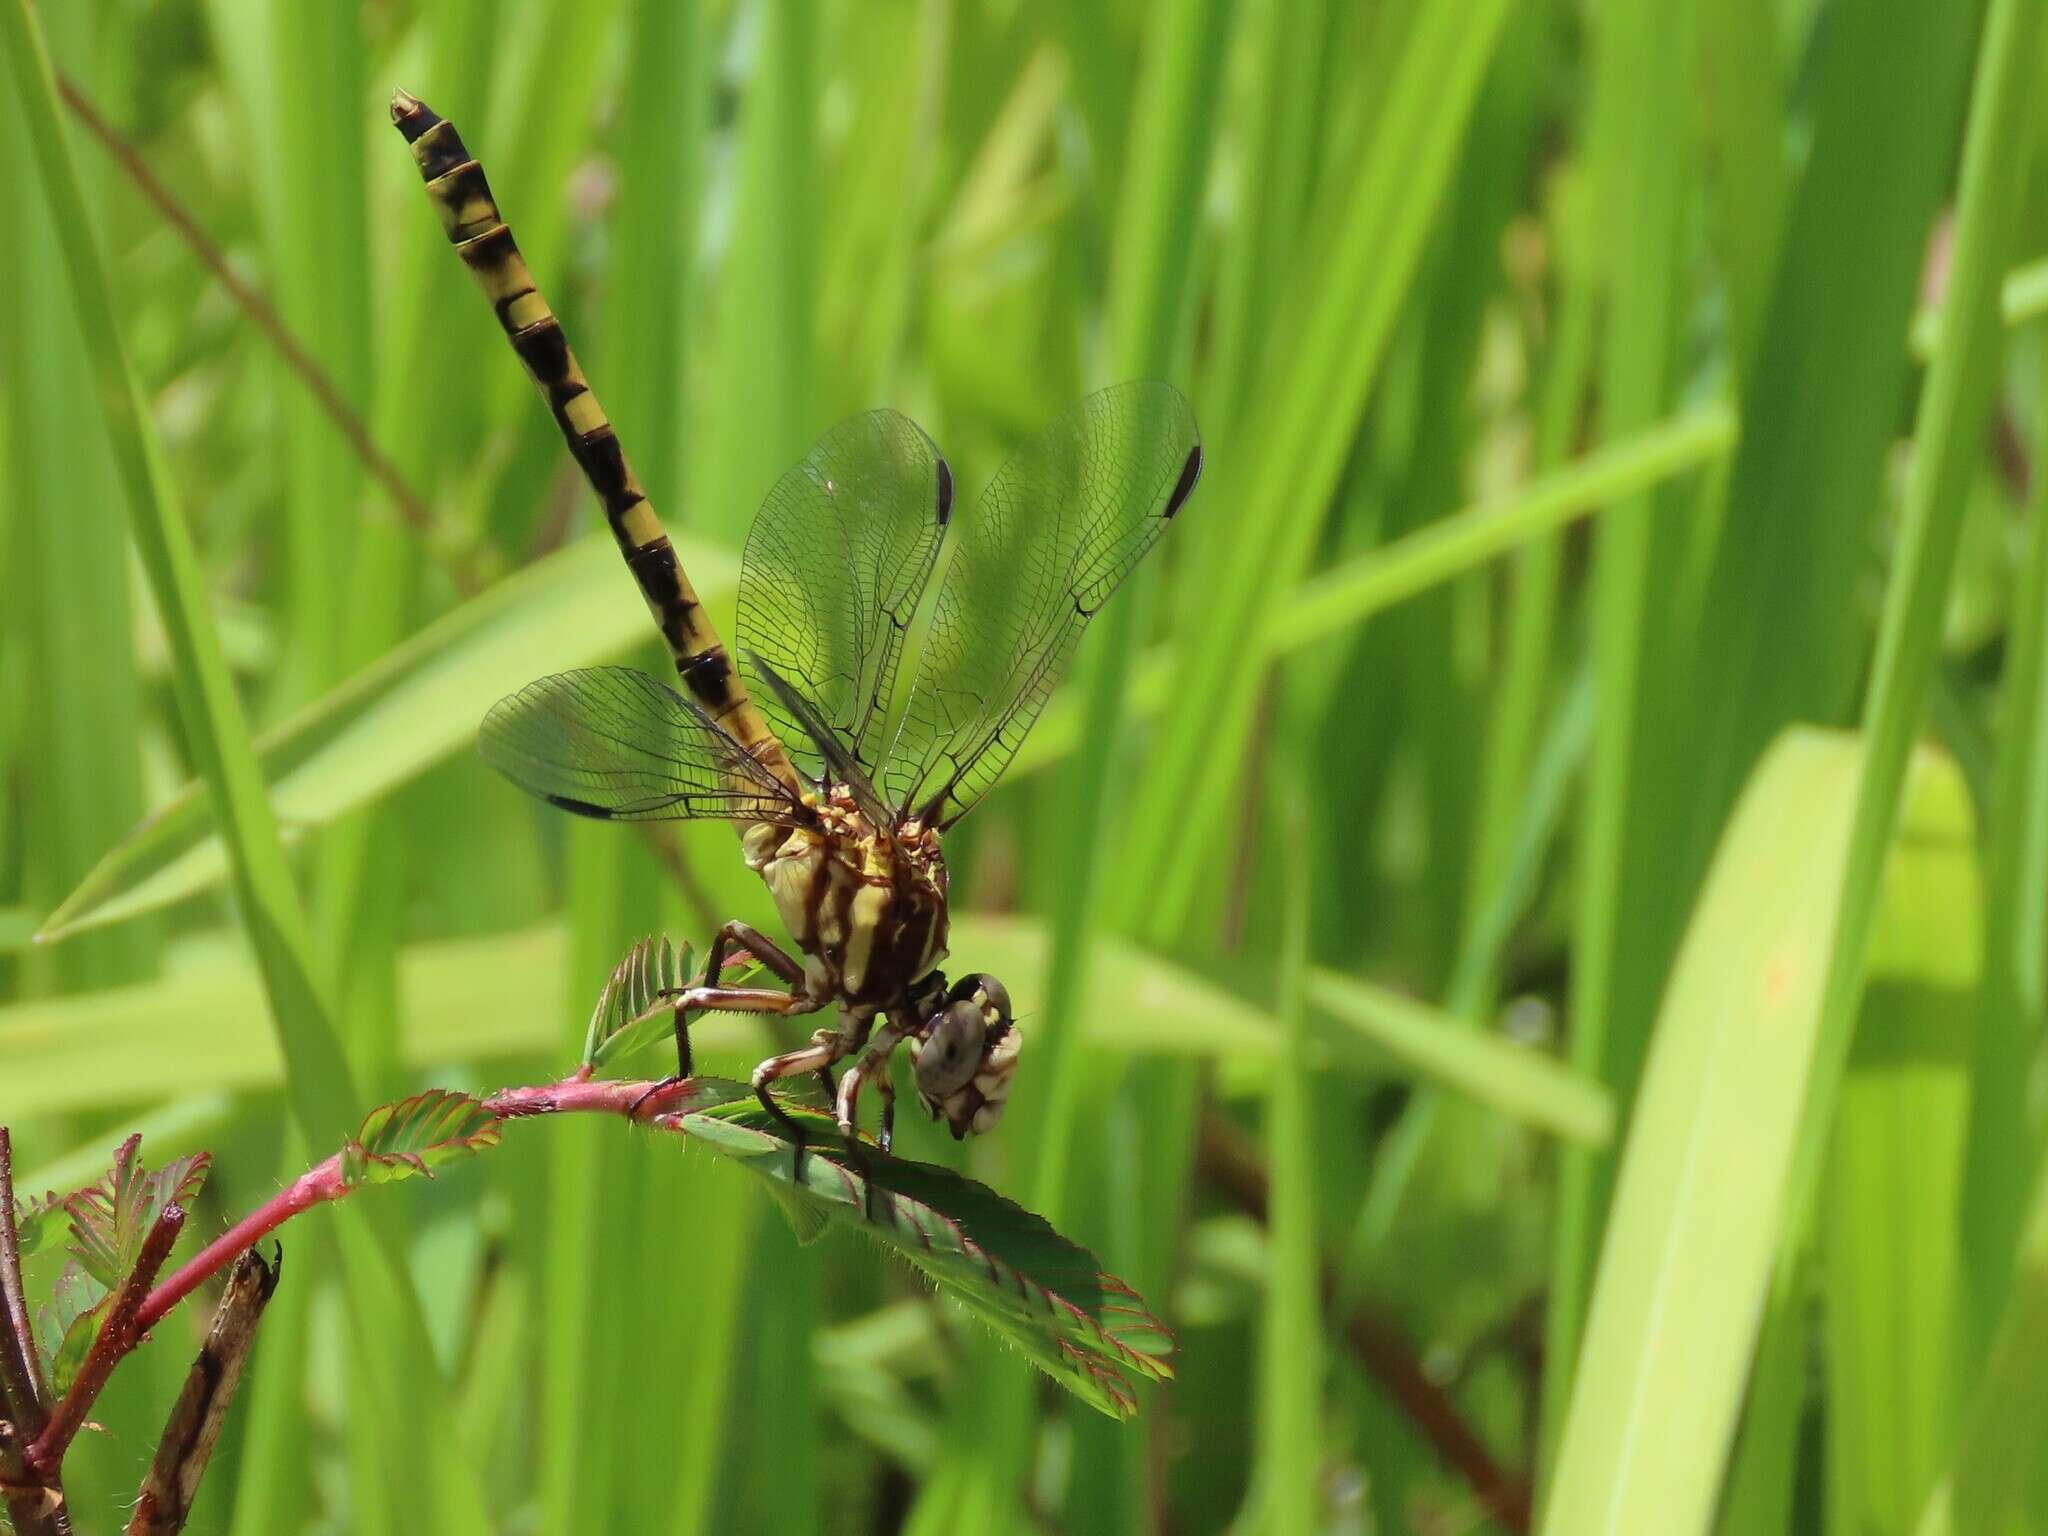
316, 1185
655, 1103
659, 1104
117, 1335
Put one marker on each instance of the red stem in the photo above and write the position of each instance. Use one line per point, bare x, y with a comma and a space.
316, 1185
117, 1335
660, 1104
663, 1103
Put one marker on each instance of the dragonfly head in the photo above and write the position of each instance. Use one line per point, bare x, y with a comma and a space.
965, 1053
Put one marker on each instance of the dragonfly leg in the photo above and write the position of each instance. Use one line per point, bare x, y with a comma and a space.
872, 1065
734, 934
825, 1048
854, 1037
885, 1085
721, 1000
756, 943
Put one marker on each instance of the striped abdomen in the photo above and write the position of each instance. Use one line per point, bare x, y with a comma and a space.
470, 216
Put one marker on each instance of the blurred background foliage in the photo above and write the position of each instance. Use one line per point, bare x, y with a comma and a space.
1530, 915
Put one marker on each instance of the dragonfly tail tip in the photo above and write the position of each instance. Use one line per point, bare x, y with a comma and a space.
410, 115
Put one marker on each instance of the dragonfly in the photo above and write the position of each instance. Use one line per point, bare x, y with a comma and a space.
841, 795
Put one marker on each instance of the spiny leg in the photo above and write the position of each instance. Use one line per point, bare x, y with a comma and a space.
723, 1000
854, 1037
764, 949
734, 934
885, 1085
872, 1065
826, 1047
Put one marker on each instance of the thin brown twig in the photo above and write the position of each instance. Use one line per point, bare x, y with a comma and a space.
407, 503
118, 1334
1226, 1158
21, 1374
194, 1425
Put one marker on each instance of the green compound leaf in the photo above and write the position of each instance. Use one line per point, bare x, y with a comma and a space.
632, 1010
41, 1224
1006, 1266
417, 1135
66, 1325
109, 1219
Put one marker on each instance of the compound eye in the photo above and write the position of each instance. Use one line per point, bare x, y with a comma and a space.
951, 1053
992, 992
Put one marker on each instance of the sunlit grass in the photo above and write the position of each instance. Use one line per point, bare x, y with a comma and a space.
1583, 412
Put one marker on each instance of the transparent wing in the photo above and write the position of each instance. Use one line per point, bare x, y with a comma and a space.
1058, 528
616, 744
838, 557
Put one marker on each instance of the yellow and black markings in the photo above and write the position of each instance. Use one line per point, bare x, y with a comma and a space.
469, 214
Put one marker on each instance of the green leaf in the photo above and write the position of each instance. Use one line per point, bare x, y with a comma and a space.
472, 999
110, 1218
416, 1136
413, 707
66, 1324
1706, 1172
1524, 1083
41, 1224
1351, 277
1894, 1172
1948, 435
631, 1010
1997, 1462
1006, 1266
17, 929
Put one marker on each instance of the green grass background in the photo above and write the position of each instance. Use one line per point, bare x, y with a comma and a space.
1529, 916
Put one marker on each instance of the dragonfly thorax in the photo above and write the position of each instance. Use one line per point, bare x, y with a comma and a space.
866, 904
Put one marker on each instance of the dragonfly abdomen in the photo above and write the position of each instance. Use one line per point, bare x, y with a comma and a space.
469, 215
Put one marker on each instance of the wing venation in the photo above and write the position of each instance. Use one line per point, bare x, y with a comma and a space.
837, 561
1056, 532
618, 745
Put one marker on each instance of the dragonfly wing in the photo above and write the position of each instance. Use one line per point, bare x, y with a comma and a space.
838, 558
616, 744
1058, 529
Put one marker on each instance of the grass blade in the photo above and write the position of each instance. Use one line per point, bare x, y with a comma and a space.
1893, 1174
2012, 1010
214, 722
414, 706
317, 1076
1288, 1428
1996, 1471
1696, 1216
1641, 164
1281, 471
76, 627
418, 703
1522, 1082
1947, 438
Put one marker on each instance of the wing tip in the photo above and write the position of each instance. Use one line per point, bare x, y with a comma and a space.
1190, 472
578, 807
